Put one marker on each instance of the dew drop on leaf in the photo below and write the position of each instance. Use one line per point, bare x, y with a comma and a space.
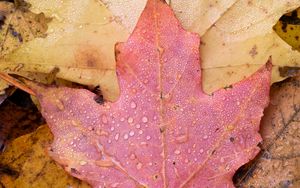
130, 120
144, 119
133, 105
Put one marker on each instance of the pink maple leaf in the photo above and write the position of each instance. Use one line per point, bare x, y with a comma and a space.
163, 131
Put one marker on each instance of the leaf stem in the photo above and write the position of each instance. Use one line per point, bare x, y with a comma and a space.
16, 83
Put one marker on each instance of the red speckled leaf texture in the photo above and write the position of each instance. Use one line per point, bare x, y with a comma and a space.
163, 131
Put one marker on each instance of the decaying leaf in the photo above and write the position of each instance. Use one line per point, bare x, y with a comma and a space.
26, 164
19, 25
278, 163
288, 28
163, 130
78, 43
18, 117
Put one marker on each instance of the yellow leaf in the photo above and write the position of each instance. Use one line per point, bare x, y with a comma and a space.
19, 26
195, 15
237, 38
80, 43
288, 28
242, 40
26, 164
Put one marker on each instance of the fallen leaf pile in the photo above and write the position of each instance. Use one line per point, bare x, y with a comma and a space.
163, 109
78, 43
163, 130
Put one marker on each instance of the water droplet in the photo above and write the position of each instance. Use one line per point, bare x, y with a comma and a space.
117, 136
182, 139
139, 166
144, 119
177, 152
59, 104
131, 133
205, 137
130, 120
201, 151
167, 96
125, 136
122, 119
138, 126
133, 104
140, 131
148, 137
222, 160
104, 119
238, 103
82, 163
230, 127
132, 156
112, 128
115, 185
98, 132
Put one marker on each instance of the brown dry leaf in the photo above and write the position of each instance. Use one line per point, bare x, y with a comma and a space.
237, 35
18, 116
26, 164
78, 43
278, 163
19, 26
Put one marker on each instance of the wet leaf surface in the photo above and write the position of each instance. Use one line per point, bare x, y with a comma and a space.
25, 163
163, 130
79, 45
241, 32
277, 165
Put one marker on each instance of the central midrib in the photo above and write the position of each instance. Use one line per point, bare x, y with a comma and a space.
161, 116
